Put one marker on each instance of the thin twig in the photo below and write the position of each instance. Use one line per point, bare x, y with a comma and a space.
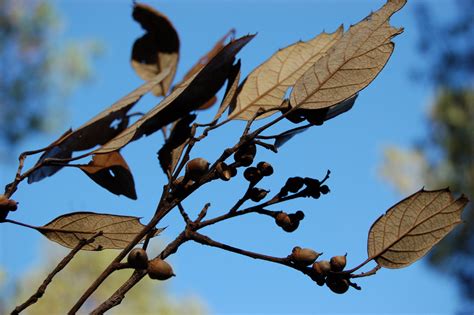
184, 214
203, 213
63, 263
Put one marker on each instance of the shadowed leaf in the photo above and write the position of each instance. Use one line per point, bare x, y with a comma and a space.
96, 131
184, 99
266, 86
112, 173
408, 230
117, 230
158, 49
351, 64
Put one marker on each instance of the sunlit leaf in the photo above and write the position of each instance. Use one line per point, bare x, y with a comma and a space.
408, 230
266, 86
117, 230
351, 64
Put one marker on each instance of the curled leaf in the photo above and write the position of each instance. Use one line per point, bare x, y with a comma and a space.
97, 131
158, 49
112, 173
184, 99
266, 86
117, 230
408, 230
351, 64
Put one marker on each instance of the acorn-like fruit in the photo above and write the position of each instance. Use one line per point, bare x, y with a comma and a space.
282, 219
322, 267
137, 258
7, 204
257, 194
324, 189
252, 174
159, 269
196, 168
294, 184
297, 216
224, 171
265, 168
304, 256
338, 263
337, 284
245, 154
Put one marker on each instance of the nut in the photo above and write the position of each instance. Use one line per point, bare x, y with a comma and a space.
248, 151
252, 174
196, 168
265, 168
337, 284
294, 184
338, 263
7, 204
324, 189
322, 267
159, 269
304, 256
257, 194
137, 258
282, 219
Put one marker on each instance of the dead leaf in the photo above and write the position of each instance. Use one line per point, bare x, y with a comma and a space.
351, 64
117, 230
158, 49
231, 92
408, 230
183, 100
204, 60
96, 131
170, 154
112, 173
266, 86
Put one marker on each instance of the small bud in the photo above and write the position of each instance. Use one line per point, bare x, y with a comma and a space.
304, 256
224, 171
324, 189
257, 194
137, 258
338, 263
265, 168
7, 204
294, 184
297, 216
245, 154
322, 267
196, 168
253, 175
159, 269
337, 284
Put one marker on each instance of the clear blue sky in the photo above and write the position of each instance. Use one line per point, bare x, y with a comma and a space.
390, 110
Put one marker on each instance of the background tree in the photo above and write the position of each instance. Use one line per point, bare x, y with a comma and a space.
446, 156
37, 69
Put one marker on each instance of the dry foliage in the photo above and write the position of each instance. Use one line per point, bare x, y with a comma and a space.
325, 75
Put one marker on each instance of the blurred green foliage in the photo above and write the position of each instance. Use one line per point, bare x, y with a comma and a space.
37, 70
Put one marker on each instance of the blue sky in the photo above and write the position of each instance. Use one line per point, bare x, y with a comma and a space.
391, 110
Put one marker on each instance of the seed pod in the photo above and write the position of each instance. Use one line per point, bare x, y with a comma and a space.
282, 219
7, 204
311, 183
245, 154
338, 263
297, 216
324, 189
337, 284
137, 258
304, 256
253, 175
265, 168
196, 168
224, 171
257, 194
322, 267
294, 184
159, 269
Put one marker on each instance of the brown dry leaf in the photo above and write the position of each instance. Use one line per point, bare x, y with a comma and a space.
117, 230
204, 60
408, 230
96, 131
184, 99
158, 49
351, 64
231, 92
112, 173
266, 86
